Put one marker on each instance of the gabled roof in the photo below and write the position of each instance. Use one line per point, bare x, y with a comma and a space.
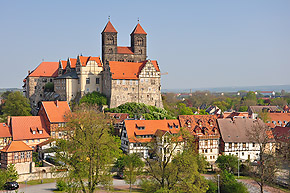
109, 28
14, 146
85, 59
4, 130
45, 69
73, 62
128, 70
124, 50
235, 114
56, 110
257, 109
119, 117
206, 123
22, 127
278, 119
150, 128
62, 64
236, 130
138, 30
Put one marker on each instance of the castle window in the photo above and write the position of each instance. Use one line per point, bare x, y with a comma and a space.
97, 80
110, 51
87, 80
140, 51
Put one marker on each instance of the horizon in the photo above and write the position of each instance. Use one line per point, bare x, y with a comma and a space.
199, 44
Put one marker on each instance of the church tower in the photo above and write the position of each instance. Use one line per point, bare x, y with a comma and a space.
109, 43
139, 43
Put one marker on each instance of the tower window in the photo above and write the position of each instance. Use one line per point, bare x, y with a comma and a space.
87, 80
110, 51
140, 51
139, 42
110, 40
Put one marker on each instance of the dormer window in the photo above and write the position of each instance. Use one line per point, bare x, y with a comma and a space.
40, 131
33, 130
170, 126
176, 126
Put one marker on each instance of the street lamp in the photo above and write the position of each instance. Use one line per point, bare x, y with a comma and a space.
218, 183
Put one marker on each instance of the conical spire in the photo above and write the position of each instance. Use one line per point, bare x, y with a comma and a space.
109, 28
138, 30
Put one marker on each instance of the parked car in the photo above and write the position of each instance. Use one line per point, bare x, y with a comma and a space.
11, 185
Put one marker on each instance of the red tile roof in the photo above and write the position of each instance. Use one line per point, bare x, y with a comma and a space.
73, 62
4, 130
45, 69
63, 63
124, 50
235, 114
119, 117
128, 70
150, 128
23, 126
109, 28
281, 134
16, 146
200, 124
138, 30
85, 59
280, 118
56, 110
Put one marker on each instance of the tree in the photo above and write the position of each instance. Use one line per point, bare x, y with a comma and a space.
279, 102
243, 108
8, 175
228, 163
268, 162
133, 167
16, 105
94, 98
89, 150
229, 184
49, 87
183, 110
171, 171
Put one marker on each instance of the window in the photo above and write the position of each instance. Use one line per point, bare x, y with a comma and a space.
244, 145
16, 155
97, 80
22, 155
230, 145
33, 132
87, 80
124, 82
211, 142
139, 41
27, 141
253, 144
53, 133
236, 145
32, 140
78, 81
118, 81
243, 153
40, 131
28, 154
110, 51
131, 82
110, 40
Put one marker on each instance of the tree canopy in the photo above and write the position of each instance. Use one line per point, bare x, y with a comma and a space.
89, 150
141, 110
94, 98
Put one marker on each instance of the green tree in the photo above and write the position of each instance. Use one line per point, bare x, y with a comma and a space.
243, 108
279, 102
94, 98
141, 110
222, 105
16, 105
49, 87
133, 167
229, 184
89, 150
228, 163
183, 110
202, 112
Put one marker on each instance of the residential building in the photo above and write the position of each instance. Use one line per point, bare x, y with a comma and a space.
136, 134
213, 110
235, 114
118, 121
205, 129
278, 118
282, 136
255, 110
19, 154
55, 114
235, 139
5, 135
28, 129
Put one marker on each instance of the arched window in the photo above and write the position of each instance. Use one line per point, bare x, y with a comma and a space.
110, 51
110, 40
139, 42
140, 51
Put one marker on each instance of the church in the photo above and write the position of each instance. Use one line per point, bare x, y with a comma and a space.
123, 74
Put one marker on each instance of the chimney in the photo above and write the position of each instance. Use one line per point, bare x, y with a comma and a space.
28, 72
8, 121
56, 103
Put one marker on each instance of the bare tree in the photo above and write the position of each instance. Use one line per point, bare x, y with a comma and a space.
265, 169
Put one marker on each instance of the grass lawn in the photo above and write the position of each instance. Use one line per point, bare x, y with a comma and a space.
44, 181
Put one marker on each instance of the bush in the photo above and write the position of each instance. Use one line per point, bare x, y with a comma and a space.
94, 98
61, 185
49, 87
212, 187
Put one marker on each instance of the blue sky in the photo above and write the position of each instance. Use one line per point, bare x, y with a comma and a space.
199, 43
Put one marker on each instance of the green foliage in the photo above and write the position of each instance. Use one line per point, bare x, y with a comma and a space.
89, 151
133, 167
222, 105
202, 112
279, 102
229, 184
264, 116
2, 178
243, 108
228, 163
49, 87
183, 110
141, 110
5, 95
61, 185
8, 175
16, 105
212, 187
94, 98
251, 96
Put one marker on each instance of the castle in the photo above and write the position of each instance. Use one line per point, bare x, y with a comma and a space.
123, 74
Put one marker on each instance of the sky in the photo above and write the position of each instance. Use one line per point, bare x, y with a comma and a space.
199, 43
